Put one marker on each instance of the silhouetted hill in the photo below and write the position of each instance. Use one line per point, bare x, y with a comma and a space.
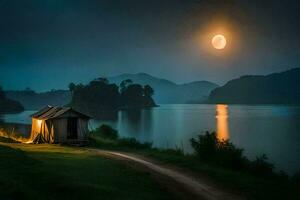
277, 88
169, 92
100, 95
33, 101
7, 105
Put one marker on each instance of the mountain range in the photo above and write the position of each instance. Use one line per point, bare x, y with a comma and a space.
32, 100
166, 91
276, 88
8, 105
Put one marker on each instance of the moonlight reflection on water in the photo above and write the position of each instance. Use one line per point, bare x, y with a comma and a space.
222, 122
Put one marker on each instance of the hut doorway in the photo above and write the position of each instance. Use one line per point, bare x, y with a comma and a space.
72, 128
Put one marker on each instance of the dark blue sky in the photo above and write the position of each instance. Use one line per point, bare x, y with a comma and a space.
47, 44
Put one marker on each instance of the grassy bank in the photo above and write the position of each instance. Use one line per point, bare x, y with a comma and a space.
251, 186
253, 179
58, 172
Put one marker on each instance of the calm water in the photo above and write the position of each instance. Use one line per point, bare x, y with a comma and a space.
273, 130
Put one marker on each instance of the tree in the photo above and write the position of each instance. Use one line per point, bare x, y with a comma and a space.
148, 91
124, 84
79, 86
72, 87
103, 80
2, 95
99, 95
133, 95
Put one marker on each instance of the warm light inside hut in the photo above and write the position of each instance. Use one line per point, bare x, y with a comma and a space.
39, 123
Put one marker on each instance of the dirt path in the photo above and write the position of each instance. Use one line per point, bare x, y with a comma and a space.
195, 187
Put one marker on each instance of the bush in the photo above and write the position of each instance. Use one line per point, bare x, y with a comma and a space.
296, 179
205, 146
222, 152
261, 166
107, 137
134, 143
105, 131
209, 148
229, 156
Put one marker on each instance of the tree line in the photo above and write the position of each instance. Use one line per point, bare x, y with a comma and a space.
99, 95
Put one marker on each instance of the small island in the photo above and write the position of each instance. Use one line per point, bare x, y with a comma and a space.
101, 95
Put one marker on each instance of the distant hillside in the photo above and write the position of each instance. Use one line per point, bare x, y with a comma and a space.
277, 88
7, 105
33, 101
169, 92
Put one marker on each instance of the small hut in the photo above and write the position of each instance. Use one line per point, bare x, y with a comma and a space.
59, 125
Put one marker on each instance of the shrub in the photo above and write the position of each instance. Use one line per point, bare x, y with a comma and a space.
106, 136
105, 131
134, 143
209, 148
261, 166
296, 179
229, 156
205, 146
222, 152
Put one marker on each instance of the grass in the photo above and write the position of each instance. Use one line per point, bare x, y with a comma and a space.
251, 186
108, 138
13, 132
7, 139
247, 182
58, 172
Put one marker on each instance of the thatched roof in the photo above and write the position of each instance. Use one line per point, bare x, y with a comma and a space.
51, 112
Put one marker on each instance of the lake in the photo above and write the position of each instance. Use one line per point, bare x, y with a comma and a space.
273, 130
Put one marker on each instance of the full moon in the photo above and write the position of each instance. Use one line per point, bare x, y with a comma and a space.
218, 42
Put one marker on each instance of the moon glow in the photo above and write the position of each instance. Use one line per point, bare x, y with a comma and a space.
218, 42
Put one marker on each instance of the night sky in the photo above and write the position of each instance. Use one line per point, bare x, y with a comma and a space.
46, 44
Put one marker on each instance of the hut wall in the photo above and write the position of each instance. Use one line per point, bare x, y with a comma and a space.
82, 129
60, 129
49, 132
